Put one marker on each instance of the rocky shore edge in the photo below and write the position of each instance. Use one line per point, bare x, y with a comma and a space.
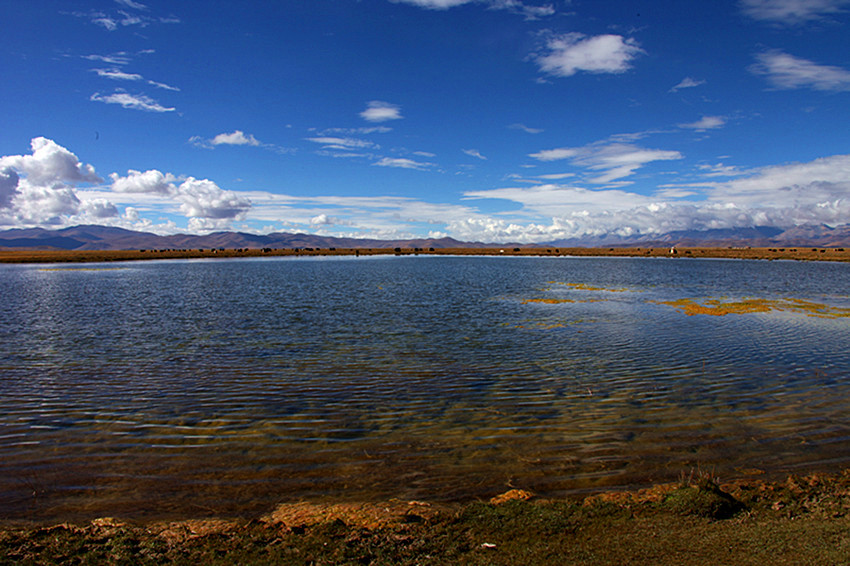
698, 520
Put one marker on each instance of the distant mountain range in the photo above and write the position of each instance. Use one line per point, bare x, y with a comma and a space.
109, 238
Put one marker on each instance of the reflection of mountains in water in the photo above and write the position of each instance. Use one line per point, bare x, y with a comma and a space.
110, 238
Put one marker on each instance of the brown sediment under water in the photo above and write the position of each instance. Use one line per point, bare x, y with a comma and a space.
224, 387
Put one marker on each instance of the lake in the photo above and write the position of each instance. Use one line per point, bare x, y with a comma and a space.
163, 389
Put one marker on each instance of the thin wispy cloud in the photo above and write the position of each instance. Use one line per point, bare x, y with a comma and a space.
531, 12
236, 138
131, 4
785, 71
687, 82
526, 129
330, 142
117, 74
132, 101
793, 12
705, 123
403, 163
474, 153
612, 161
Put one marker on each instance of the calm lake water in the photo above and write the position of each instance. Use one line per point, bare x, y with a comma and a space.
187, 388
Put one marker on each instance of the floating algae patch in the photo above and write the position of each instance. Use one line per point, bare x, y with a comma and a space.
586, 287
559, 301
717, 307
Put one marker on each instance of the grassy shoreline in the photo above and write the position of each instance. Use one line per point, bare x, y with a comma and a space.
88, 256
801, 520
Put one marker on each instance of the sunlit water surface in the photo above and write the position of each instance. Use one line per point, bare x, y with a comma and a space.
188, 388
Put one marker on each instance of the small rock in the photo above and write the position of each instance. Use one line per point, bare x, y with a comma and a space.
512, 495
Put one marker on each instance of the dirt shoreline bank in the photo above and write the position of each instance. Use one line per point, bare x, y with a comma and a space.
88, 256
801, 520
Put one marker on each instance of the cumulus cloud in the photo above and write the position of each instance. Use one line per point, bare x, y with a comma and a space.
39, 188
785, 71
50, 164
378, 111
99, 209
568, 54
687, 82
8, 186
204, 199
236, 137
132, 101
792, 12
784, 195
705, 123
38, 204
149, 182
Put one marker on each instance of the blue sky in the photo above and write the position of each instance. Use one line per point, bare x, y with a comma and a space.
487, 120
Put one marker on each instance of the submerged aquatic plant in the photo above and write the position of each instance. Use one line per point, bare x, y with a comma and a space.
716, 307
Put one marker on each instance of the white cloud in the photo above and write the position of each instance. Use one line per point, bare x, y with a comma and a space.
236, 137
117, 74
106, 22
516, 6
132, 4
37, 204
202, 198
164, 86
571, 53
705, 123
785, 71
50, 164
120, 58
818, 181
322, 220
791, 12
132, 101
151, 181
784, 196
554, 154
525, 129
8, 186
99, 209
403, 163
356, 131
556, 176
343, 143
687, 82
378, 111
474, 153
38, 188
433, 4
614, 160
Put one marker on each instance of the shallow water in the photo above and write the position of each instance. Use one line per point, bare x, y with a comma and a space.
186, 388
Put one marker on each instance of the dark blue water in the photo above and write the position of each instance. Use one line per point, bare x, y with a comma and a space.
186, 388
